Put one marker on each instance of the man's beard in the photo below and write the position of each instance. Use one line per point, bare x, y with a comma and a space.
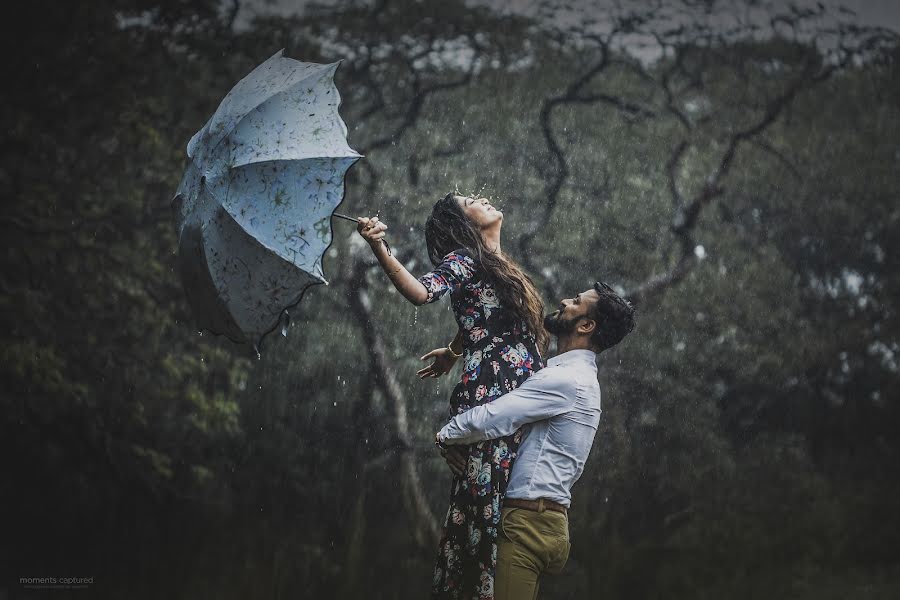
556, 325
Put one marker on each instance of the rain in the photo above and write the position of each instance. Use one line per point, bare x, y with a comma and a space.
729, 167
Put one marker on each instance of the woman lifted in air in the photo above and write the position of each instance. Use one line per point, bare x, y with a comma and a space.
501, 339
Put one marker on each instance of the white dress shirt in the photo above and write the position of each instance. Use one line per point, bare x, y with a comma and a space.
561, 402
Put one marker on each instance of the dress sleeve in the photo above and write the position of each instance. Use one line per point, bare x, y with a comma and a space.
450, 275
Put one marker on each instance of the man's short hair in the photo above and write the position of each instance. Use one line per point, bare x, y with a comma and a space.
614, 316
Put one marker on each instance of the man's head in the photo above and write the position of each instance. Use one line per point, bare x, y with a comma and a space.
597, 319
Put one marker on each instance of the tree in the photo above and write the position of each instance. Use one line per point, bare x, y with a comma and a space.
746, 444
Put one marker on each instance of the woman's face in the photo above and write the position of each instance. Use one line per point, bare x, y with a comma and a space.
480, 211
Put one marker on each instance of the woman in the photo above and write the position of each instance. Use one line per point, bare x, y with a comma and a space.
499, 313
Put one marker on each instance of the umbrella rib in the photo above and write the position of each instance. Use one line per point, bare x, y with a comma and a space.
270, 249
288, 159
240, 119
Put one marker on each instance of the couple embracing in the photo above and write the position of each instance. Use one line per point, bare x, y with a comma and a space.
519, 432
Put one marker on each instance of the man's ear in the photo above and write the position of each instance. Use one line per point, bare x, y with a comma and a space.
587, 326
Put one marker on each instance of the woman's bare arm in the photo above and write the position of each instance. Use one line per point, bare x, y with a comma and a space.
444, 358
372, 230
456, 346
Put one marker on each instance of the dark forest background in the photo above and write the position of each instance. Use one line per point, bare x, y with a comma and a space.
742, 190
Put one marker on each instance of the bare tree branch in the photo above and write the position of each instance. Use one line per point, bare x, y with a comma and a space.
426, 527
666, 82
231, 14
421, 92
686, 214
574, 94
671, 166
769, 148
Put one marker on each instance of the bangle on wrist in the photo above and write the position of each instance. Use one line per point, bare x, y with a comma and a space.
450, 348
382, 241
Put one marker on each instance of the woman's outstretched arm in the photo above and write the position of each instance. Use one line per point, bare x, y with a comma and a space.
372, 230
444, 358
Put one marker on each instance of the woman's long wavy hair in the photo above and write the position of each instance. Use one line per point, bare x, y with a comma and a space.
448, 229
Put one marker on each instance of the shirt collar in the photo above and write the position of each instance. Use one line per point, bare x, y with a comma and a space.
574, 356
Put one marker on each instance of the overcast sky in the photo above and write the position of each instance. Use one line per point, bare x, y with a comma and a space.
884, 13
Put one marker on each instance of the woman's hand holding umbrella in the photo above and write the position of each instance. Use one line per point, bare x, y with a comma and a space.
372, 230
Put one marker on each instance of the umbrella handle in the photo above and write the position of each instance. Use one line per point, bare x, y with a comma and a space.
345, 217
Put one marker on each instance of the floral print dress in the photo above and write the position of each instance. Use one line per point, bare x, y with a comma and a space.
500, 352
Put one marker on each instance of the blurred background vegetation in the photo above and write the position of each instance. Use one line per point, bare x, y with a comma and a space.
741, 188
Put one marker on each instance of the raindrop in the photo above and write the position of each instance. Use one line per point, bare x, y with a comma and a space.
285, 323
415, 316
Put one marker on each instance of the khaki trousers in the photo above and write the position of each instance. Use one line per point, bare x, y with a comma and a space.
529, 544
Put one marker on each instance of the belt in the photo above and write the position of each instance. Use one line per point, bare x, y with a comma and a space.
539, 505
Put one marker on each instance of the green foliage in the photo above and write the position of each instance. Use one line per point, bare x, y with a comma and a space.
95, 334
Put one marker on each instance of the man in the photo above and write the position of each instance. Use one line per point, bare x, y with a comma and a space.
561, 402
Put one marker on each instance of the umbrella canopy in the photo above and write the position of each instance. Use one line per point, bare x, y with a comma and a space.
254, 207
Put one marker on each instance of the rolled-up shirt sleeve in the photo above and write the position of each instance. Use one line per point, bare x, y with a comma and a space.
545, 394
